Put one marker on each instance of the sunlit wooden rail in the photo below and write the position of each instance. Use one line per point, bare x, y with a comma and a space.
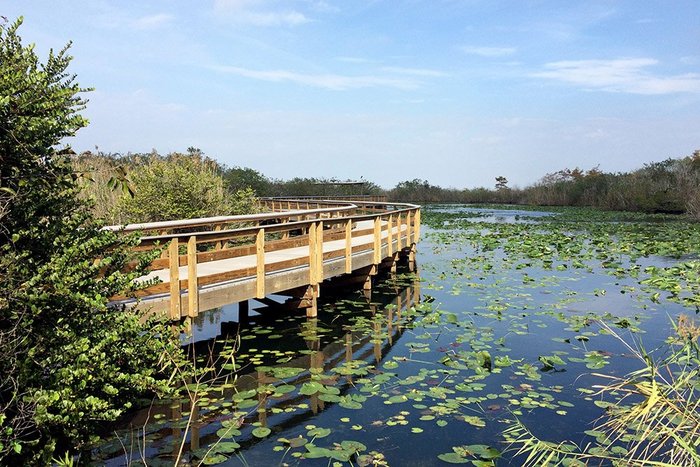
289, 250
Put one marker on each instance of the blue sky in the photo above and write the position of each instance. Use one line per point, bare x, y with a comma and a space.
453, 91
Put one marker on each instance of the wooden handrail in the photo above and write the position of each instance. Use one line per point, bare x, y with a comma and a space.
218, 220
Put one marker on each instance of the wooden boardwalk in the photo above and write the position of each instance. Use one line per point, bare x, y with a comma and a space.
289, 250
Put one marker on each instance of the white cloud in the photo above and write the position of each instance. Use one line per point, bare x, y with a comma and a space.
327, 81
153, 21
257, 13
627, 75
354, 60
229, 5
414, 71
272, 18
488, 51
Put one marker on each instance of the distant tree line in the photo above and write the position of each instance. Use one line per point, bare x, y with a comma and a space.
669, 186
149, 187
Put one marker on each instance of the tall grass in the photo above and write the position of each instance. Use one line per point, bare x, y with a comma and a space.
653, 417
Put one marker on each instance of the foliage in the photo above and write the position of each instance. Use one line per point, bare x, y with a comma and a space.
501, 183
323, 187
103, 180
242, 178
653, 418
179, 186
669, 186
68, 361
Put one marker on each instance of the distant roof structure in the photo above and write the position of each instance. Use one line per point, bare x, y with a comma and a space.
340, 183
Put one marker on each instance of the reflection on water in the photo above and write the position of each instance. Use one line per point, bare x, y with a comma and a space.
251, 384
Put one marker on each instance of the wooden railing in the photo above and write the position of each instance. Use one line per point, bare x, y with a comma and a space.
243, 245
350, 198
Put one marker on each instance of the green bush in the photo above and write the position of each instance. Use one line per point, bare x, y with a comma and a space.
179, 186
68, 361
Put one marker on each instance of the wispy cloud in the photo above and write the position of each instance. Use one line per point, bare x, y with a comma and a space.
488, 51
355, 60
627, 75
273, 18
152, 21
327, 81
414, 71
258, 13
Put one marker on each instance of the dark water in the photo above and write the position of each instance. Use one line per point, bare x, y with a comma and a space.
428, 363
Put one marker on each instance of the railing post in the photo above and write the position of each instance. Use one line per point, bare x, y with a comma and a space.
390, 235
377, 240
285, 234
348, 246
164, 253
319, 253
218, 245
408, 228
417, 229
192, 283
260, 264
399, 227
313, 263
174, 255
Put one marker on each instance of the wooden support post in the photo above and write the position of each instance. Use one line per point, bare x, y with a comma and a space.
416, 291
412, 258
312, 293
260, 264
192, 282
174, 254
243, 309
348, 347
175, 416
368, 280
319, 252
348, 246
377, 241
377, 347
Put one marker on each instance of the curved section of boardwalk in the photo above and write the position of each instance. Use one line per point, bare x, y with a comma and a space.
289, 250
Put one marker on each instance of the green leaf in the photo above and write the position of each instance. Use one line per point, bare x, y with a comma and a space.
453, 458
261, 432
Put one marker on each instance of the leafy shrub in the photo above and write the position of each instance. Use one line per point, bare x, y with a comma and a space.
68, 361
179, 186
